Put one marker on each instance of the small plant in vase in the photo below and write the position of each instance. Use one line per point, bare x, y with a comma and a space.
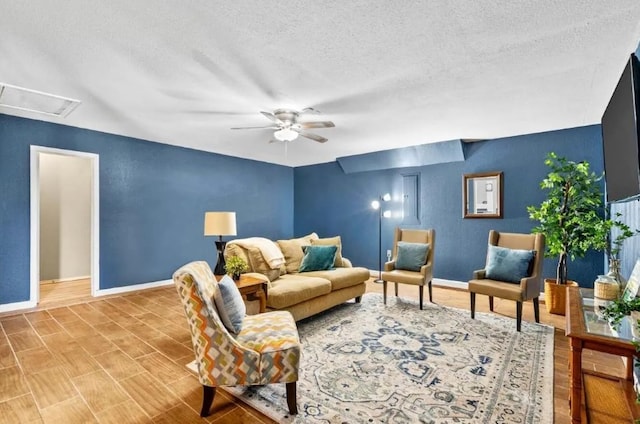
235, 266
614, 246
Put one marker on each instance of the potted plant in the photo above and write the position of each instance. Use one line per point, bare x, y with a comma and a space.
571, 218
235, 266
617, 234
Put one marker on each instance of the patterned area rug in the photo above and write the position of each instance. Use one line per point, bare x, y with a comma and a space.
370, 363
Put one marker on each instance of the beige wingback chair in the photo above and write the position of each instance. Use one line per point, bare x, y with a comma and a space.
417, 278
528, 288
265, 351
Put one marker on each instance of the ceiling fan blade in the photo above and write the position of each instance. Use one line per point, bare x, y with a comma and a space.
317, 124
272, 127
314, 137
271, 117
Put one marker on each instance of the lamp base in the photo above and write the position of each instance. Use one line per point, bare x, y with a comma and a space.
378, 281
220, 264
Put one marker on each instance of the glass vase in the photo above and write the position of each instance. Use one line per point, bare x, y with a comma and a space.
614, 273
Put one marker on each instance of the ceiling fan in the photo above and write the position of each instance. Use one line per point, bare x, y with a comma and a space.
287, 126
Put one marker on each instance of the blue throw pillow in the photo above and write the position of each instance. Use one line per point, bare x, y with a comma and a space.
508, 264
229, 303
318, 258
411, 256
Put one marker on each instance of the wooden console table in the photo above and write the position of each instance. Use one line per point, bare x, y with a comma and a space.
587, 330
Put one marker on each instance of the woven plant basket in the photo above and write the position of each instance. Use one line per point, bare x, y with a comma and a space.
555, 295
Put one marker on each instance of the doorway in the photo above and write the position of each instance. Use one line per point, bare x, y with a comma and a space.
64, 225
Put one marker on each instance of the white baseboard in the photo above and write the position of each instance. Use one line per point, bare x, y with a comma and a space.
125, 289
10, 307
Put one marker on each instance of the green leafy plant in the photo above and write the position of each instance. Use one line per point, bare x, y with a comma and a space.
614, 245
235, 266
572, 216
619, 308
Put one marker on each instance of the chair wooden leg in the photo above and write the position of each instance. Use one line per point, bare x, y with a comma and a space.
473, 305
491, 303
384, 292
430, 293
358, 299
536, 308
291, 398
421, 295
207, 399
518, 315
396, 289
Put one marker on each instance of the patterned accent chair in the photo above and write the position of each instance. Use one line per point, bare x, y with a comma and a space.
267, 349
415, 278
525, 289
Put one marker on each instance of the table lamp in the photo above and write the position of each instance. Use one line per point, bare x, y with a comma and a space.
220, 224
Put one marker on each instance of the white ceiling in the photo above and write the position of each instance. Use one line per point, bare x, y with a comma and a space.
388, 73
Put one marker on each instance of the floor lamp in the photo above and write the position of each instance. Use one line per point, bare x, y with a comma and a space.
376, 205
220, 224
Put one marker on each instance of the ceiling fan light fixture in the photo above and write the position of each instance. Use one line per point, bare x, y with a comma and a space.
285, 134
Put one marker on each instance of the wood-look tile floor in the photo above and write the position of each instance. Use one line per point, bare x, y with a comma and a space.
122, 359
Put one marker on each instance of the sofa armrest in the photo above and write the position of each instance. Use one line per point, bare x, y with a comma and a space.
479, 274
260, 276
346, 263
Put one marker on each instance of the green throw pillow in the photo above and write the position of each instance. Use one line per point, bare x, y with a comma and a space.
318, 258
510, 265
411, 256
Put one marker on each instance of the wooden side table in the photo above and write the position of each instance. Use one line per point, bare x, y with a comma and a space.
254, 288
586, 330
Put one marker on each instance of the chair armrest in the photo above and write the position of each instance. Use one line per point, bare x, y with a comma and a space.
346, 263
530, 287
479, 274
389, 266
427, 271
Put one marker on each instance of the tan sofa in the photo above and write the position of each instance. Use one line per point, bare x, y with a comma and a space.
304, 293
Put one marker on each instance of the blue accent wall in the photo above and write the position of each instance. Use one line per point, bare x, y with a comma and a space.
152, 202
331, 202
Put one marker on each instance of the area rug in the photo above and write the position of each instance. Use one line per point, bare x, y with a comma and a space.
371, 363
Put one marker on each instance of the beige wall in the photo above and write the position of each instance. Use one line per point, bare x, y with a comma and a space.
65, 217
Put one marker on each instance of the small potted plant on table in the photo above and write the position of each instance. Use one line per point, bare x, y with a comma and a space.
235, 266
572, 220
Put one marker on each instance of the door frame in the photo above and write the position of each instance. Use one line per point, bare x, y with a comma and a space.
34, 290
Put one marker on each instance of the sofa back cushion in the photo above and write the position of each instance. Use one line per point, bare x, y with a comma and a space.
331, 241
292, 250
253, 257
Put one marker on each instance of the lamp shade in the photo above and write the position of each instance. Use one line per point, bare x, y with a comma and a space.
220, 224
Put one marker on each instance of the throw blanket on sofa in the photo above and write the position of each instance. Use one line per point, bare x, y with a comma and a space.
270, 251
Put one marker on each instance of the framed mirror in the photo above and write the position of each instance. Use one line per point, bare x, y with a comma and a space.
482, 195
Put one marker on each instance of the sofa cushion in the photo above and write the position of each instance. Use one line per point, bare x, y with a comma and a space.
253, 257
341, 277
292, 250
510, 265
331, 241
291, 289
411, 256
318, 258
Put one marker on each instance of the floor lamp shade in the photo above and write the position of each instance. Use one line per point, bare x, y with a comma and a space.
220, 224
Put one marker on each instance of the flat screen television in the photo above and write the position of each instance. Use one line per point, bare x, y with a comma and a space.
620, 136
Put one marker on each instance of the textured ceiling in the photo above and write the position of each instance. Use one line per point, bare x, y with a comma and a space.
388, 73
